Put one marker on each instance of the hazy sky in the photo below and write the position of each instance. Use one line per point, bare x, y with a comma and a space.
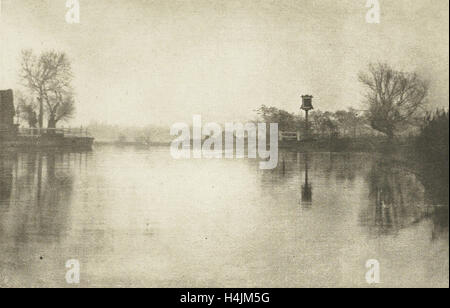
140, 62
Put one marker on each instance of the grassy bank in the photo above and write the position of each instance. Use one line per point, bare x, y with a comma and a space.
348, 144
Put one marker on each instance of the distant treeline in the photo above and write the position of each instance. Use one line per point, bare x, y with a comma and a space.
112, 133
342, 123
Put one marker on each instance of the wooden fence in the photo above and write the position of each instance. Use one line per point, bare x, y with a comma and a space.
289, 136
67, 132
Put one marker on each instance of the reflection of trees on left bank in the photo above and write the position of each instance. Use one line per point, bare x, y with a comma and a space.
35, 194
7, 162
36, 218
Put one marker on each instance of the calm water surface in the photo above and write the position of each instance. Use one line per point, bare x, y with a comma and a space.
137, 217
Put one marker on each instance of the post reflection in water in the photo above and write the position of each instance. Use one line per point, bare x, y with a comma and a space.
137, 217
307, 186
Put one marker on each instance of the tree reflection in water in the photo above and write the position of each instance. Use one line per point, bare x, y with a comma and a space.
398, 199
35, 193
7, 161
40, 192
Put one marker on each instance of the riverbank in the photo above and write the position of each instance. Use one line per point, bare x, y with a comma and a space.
347, 144
132, 143
47, 142
359, 144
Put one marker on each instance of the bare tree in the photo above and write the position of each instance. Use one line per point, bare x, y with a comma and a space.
349, 121
60, 107
394, 97
324, 123
44, 76
26, 109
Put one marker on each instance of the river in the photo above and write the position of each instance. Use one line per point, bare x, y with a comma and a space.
138, 218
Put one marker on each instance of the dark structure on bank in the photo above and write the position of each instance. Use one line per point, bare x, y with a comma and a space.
12, 137
7, 113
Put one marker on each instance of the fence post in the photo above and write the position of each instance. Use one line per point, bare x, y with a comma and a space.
298, 136
280, 135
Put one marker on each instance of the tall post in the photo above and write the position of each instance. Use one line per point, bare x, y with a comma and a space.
307, 106
307, 124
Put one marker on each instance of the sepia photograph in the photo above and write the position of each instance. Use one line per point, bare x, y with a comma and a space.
210, 145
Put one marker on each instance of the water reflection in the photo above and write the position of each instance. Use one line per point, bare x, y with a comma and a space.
40, 198
435, 177
7, 161
136, 217
307, 186
35, 210
398, 195
397, 199
293, 166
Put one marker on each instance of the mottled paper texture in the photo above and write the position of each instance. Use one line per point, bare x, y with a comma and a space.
209, 143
